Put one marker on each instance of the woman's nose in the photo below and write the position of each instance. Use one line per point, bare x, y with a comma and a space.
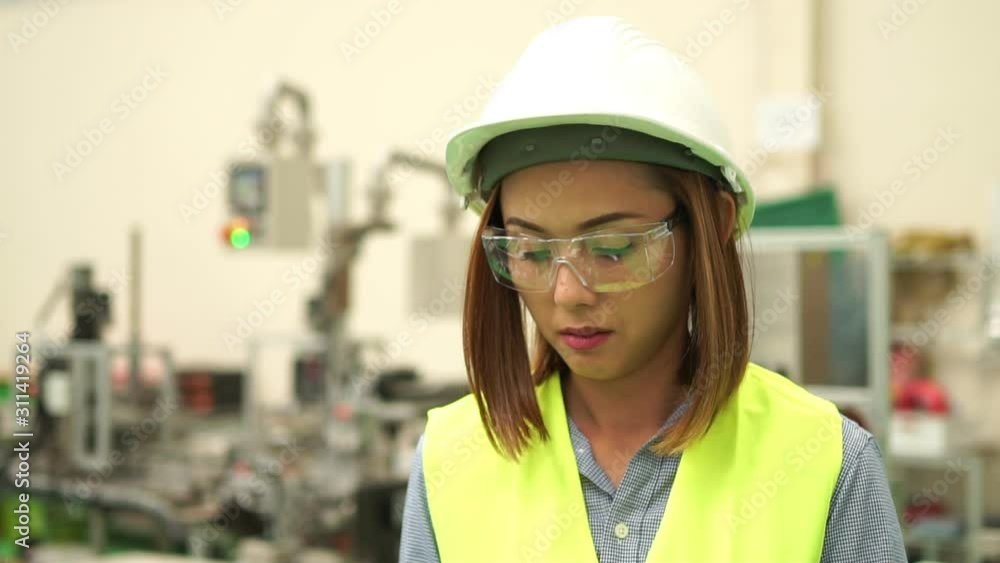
570, 289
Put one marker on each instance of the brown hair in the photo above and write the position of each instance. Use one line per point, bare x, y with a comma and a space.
495, 344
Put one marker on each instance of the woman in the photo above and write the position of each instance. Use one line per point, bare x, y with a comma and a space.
638, 430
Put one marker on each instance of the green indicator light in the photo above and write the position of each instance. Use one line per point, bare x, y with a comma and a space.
239, 238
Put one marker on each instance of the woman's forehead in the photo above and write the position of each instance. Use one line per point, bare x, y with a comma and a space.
565, 194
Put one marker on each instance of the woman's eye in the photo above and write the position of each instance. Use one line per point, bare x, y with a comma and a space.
527, 251
535, 255
612, 251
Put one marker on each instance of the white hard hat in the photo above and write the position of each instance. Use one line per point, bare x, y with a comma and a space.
599, 71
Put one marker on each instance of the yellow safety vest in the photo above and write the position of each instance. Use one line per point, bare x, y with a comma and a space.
756, 488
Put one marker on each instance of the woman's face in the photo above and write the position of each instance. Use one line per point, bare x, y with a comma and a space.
558, 197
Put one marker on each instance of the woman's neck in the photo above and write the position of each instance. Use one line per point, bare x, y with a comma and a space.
632, 407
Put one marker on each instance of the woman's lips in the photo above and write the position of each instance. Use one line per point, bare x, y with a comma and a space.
578, 342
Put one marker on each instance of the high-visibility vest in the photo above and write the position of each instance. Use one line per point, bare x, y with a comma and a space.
755, 488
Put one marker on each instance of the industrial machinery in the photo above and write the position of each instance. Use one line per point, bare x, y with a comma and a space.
361, 428
269, 196
129, 446
94, 405
992, 313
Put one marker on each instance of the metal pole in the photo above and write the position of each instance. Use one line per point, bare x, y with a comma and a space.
974, 507
250, 398
135, 315
878, 338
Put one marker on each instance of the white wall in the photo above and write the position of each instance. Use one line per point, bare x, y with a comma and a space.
890, 96
887, 99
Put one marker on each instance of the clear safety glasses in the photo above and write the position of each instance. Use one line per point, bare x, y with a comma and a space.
605, 261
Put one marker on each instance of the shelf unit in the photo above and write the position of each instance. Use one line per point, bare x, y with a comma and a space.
969, 539
973, 465
961, 261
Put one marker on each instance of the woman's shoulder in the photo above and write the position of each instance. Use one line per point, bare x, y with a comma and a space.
860, 447
453, 424
773, 389
860, 451
462, 407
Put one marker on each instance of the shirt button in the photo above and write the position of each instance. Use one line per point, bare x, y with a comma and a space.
621, 530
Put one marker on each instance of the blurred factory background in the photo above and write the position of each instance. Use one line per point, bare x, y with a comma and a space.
225, 225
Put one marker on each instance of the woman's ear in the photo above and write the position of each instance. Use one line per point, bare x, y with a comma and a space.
727, 207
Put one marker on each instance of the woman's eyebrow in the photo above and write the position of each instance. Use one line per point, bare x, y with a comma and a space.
588, 224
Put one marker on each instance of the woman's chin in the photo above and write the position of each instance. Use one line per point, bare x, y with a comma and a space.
593, 368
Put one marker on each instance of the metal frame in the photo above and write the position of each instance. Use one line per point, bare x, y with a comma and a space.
255, 345
77, 355
82, 381
974, 503
875, 245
